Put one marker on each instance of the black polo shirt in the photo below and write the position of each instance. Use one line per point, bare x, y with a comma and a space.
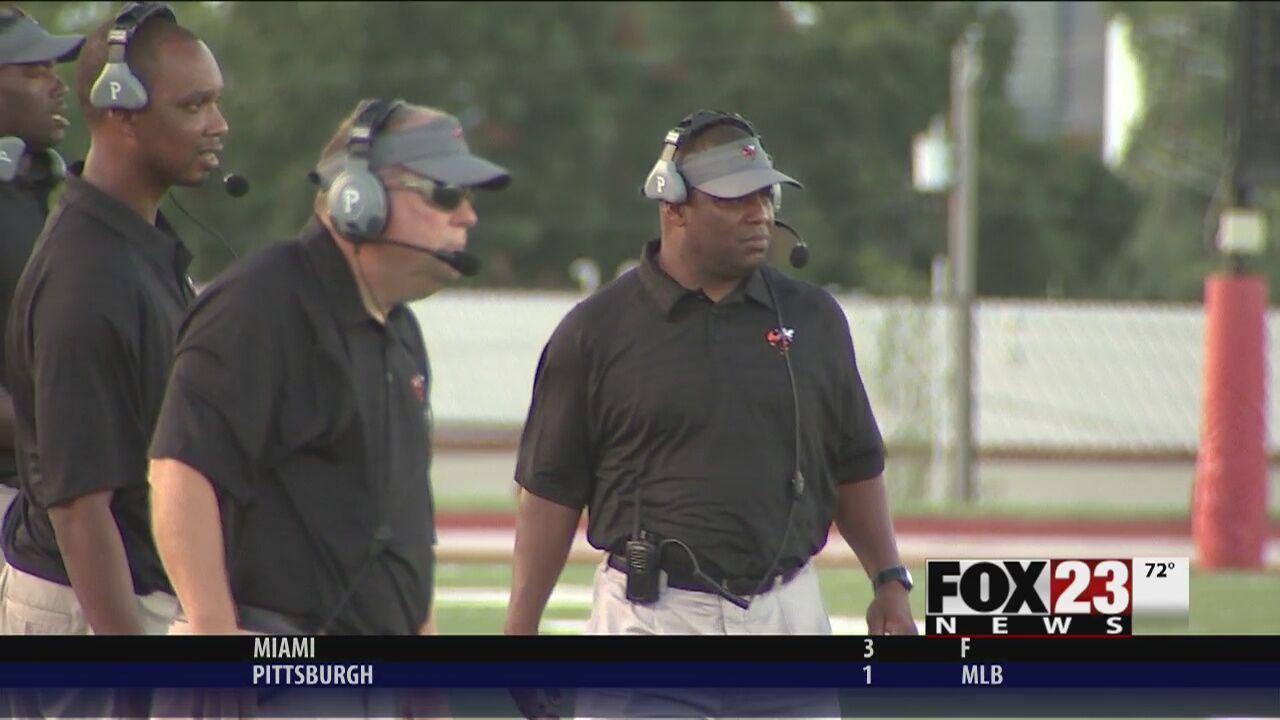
24, 203
311, 420
647, 387
89, 345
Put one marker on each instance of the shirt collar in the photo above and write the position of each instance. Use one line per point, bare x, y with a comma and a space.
336, 278
158, 242
668, 293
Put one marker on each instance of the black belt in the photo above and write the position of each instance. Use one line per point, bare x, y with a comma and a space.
681, 577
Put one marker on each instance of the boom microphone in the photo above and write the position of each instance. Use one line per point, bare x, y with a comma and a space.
235, 185
799, 252
460, 260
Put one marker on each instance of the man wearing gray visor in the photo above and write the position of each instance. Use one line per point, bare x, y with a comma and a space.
290, 462
708, 410
32, 121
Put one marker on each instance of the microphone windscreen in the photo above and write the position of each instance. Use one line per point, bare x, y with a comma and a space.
235, 185
799, 255
464, 262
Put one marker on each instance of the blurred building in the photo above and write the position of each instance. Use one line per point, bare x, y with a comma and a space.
1057, 79
1073, 76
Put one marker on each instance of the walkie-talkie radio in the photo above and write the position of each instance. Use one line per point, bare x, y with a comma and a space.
644, 567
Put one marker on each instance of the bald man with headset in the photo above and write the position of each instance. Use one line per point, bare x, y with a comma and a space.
92, 330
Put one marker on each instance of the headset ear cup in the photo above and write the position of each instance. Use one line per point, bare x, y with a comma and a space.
665, 183
357, 205
11, 151
117, 88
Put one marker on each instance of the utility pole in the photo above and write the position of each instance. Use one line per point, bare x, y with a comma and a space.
962, 230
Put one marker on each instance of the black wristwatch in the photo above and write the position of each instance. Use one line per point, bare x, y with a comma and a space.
897, 573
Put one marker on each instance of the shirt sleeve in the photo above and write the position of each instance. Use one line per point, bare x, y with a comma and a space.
862, 453
90, 426
223, 393
554, 460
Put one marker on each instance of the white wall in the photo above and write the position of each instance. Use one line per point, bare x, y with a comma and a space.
1074, 376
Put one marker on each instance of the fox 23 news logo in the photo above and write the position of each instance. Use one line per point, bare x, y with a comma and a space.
1030, 597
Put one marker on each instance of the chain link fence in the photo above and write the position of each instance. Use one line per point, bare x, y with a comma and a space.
1053, 379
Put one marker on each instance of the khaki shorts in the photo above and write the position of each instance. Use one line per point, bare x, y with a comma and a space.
31, 605
7, 494
795, 608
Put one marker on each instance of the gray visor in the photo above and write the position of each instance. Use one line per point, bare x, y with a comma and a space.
23, 41
436, 151
733, 170
439, 152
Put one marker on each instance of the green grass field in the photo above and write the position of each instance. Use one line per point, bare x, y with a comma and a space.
471, 600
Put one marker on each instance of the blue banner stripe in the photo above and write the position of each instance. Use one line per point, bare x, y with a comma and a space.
640, 675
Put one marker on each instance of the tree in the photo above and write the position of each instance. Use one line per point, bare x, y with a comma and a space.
1179, 159
575, 98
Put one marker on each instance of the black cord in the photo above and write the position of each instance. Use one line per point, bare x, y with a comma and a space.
635, 524
377, 302
719, 589
796, 487
207, 230
382, 535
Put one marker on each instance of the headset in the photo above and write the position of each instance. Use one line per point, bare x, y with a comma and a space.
357, 199
117, 87
665, 181
12, 148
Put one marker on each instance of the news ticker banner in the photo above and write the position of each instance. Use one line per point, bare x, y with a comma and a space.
1042, 597
1137, 676
730, 662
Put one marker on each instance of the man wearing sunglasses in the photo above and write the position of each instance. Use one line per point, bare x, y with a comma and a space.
290, 465
289, 471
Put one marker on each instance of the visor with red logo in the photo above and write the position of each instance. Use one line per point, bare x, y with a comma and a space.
733, 170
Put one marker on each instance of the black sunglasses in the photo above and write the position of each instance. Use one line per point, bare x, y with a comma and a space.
444, 197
